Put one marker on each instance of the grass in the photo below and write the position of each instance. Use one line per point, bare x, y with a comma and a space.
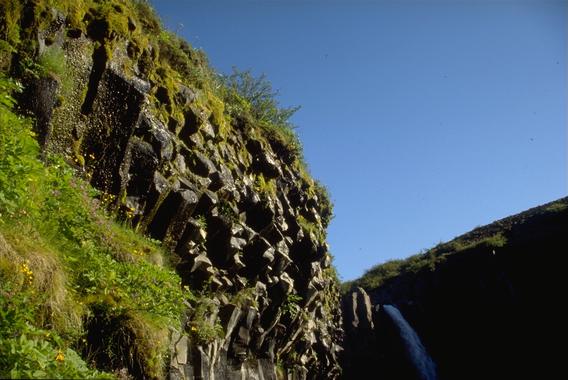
264, 186
67, 268
557, 207
311, 228
427, 260
52, 62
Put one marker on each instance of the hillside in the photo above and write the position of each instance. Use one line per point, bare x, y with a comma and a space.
156, 218
485, 304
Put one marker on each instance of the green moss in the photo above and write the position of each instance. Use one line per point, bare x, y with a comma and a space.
311, 228
53, 63
10, 13
78, 158
6, 51
265, 186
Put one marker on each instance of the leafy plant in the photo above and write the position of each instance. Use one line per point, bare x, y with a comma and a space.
202, 325
246, 94
291, 306
30, 352
258, 92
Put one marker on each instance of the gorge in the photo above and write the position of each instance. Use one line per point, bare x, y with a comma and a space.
154, 224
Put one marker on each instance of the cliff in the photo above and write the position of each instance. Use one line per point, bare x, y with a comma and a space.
177, 155
485, 305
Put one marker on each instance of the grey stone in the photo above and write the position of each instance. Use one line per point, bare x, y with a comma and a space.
182, 346
237, 244
201, 261
199, 164
207, 130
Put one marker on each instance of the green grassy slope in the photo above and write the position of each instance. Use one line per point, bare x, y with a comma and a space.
67, 268
492, 235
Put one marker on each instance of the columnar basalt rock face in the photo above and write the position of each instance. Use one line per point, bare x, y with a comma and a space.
487, 309
242, 219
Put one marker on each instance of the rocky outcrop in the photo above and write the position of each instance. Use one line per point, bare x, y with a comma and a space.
243, 220
486, 308
360, 335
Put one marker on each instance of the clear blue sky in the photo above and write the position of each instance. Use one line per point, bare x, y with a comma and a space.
424, 118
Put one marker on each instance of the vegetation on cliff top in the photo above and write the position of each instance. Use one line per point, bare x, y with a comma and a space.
491, 237
164, 59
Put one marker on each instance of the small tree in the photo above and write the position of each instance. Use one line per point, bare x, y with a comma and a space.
258, 92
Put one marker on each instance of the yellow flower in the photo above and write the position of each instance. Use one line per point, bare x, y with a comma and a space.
59, 357
25, 269
193, 328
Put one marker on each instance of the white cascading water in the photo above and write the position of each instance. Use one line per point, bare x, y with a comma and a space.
416, 352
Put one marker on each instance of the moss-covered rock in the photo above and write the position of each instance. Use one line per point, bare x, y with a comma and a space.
142, 116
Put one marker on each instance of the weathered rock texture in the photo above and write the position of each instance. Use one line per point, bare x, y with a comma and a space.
488, 310
243, 218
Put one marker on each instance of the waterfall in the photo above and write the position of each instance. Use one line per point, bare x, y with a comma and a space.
415, 351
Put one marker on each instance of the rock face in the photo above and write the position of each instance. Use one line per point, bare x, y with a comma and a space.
488, 310
243, 220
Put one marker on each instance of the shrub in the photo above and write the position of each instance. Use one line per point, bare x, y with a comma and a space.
258, 92
254, 96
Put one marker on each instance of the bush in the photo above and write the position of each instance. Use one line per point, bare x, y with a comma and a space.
254, 96
258, 92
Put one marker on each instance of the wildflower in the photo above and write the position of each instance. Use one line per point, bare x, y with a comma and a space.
60, 357
27, 272
130, 213
193, 328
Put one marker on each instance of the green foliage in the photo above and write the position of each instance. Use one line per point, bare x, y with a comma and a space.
227, 210
245, 297
258, 92
53, 62
264, 186
191, 64
324, 203
426, 260
147, 17
311, 228
203, 327
66, 260
17, 153
27, 351
291, 306
6, 51
254, 96
496, 241
202, 222
10, 12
